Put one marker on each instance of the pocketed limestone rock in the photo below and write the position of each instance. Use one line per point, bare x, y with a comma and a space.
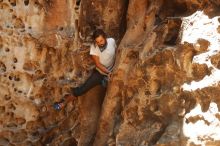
19, 136
202, 46
26, 2
12, 2
216, 61
30, 66
2, 109
20, 121
70, 141
33, 126
1, 42
18, 23
200, 71
42, 57
4, 141
3, 67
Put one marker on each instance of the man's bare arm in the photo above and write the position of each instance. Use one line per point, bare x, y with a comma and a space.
99, 65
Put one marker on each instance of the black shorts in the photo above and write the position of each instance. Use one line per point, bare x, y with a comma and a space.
95, 79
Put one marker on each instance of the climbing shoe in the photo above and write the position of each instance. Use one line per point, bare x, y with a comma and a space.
58, 105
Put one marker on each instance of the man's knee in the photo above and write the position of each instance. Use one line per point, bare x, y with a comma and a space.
76, 91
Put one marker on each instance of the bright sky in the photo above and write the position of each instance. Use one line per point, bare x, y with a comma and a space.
195, 27
198, 26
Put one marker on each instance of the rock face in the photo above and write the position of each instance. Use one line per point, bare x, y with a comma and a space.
164, 90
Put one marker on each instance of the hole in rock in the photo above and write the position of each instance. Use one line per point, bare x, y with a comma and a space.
35, 134
11, 125
173, 32
78, 2
23, 30
12, 2
14, 16
26, 2
15, 60
11, 107
2, 67
20, 44
61, 28
7, 97
2, 109
31, 97
17, 79
11, 114
7, 50
10, 77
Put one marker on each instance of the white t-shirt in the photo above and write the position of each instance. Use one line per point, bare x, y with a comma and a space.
106, 57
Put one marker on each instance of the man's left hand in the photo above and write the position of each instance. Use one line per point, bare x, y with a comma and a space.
109, 75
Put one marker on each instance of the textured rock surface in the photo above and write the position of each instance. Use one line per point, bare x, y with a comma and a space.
163, 89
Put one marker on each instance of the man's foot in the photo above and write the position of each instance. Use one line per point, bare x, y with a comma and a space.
59, 105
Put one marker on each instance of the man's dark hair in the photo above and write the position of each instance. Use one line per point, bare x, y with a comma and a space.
97, 33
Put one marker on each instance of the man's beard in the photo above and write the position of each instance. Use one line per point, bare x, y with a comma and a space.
103, 47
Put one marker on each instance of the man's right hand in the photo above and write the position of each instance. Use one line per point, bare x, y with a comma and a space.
99, 66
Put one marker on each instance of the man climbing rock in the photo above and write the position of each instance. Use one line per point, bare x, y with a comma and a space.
103, 51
